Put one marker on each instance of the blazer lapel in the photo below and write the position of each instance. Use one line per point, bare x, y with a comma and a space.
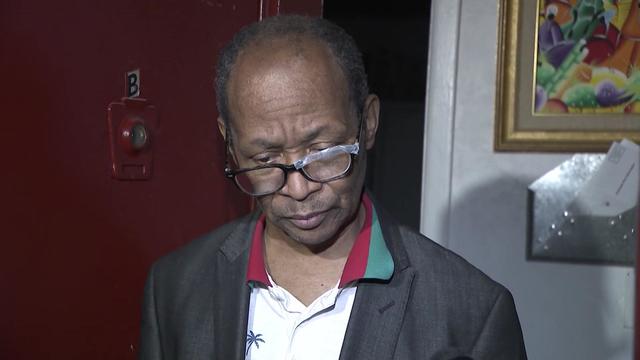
231, 298
376, 318
379, 307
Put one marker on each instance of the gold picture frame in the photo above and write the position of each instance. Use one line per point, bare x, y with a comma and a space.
518, 127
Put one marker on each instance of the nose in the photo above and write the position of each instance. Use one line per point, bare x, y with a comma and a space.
298, 187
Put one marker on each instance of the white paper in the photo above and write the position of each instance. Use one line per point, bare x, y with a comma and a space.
613, 189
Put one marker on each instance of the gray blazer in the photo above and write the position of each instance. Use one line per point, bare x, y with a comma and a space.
435, 306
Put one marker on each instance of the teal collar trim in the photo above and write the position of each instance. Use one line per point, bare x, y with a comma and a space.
380, 264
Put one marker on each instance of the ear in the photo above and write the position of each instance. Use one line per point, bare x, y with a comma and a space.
222, 127
371, 112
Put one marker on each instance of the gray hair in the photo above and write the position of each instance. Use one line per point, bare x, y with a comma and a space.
341, 45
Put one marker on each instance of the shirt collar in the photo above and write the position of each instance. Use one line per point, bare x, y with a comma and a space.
369, 257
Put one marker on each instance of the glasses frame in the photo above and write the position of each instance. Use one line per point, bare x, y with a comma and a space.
352, 149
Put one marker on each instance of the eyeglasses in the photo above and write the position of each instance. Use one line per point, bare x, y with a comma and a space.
323, 166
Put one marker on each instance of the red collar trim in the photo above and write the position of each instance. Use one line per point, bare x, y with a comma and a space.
356, 264
354, 268
257, 270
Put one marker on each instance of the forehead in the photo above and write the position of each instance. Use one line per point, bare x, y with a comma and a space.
287, 87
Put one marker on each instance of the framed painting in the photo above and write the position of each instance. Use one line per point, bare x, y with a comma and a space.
568, 76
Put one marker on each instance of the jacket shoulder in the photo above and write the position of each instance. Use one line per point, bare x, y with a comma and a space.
435, 262
228, 240
475, 312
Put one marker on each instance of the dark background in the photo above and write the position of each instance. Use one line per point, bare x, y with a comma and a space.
393, 38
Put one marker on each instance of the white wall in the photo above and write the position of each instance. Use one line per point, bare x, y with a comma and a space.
567, 311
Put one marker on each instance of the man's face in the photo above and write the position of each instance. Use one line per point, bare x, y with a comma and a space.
288, 99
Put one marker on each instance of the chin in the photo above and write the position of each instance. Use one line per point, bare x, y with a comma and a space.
314, 238
320, 237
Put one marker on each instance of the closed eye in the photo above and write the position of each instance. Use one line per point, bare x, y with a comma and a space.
319, 147
266, 158
315, 150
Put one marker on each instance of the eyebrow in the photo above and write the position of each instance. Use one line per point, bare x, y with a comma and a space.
263, 143
266, 143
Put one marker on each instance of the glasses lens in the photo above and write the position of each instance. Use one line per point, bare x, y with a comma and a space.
329, 168
260, 181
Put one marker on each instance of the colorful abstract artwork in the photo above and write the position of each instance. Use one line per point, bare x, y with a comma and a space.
568, 75
587, 57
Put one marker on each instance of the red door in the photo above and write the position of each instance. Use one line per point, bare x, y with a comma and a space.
637, 298
76, 242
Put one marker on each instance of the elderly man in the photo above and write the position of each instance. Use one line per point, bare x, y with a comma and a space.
319, 271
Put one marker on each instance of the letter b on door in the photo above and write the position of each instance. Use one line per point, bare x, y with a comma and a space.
133, 83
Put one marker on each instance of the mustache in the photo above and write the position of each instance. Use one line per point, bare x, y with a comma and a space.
309, 206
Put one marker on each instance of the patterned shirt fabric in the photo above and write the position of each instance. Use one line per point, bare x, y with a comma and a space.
281, 327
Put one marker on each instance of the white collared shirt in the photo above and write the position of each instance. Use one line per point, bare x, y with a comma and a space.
280, 327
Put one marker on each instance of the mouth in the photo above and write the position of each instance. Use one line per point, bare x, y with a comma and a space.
308, 221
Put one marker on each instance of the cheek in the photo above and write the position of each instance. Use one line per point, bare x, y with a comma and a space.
264, 203
348, 191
